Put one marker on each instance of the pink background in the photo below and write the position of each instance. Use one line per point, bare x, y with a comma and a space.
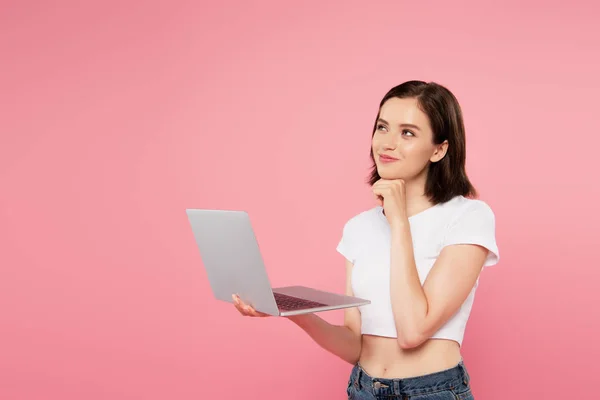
117, 116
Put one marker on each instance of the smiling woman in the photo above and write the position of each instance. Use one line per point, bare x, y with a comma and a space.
429, 117
416, 256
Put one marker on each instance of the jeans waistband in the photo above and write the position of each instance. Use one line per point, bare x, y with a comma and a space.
449, 379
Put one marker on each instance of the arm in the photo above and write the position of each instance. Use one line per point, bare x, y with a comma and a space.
420, 310
344, 341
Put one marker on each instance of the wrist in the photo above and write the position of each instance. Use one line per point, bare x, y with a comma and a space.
399, 224
298, 319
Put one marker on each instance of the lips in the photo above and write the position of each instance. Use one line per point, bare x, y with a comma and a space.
385, 158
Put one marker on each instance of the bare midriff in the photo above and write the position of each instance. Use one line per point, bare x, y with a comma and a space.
382, 357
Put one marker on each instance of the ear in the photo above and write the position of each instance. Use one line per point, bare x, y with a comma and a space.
440, 152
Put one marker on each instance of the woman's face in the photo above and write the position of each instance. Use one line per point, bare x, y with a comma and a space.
403, 141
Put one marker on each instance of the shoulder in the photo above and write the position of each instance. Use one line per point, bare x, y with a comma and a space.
353, 233
362, 221
364, 218
461, 208
473, 222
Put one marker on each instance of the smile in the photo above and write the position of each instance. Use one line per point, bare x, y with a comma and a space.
387, 159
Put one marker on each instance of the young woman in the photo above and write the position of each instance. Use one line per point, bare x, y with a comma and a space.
417, 255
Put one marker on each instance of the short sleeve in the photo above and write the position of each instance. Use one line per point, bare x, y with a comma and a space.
477, 225
346, 245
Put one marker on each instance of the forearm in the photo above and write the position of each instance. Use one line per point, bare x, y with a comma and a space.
336, 339
409, 303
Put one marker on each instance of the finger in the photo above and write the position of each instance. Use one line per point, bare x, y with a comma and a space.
242, 312
255, 313
240, 305
262, 315
382, 188
380, 194
378, 199
250, 310
236, 300
240, 308
246, 308
383, 182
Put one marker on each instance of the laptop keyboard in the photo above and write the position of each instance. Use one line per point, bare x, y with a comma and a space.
289, 303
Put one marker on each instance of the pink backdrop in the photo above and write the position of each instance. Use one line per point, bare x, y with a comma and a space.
116, 117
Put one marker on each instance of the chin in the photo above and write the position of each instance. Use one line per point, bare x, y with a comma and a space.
384, 173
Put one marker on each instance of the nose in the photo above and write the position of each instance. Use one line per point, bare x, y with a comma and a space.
389, 144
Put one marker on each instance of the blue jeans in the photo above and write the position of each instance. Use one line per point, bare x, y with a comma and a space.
450, 384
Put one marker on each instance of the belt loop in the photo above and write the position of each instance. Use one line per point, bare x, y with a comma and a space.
464, 373
396, 387
358, 375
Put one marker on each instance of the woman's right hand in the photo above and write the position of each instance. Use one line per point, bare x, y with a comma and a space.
246, 309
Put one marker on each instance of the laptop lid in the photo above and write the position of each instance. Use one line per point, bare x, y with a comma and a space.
231, 257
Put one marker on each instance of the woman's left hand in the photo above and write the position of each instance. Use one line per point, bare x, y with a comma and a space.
392, 196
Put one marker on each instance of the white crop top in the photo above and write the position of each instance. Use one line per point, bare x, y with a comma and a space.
366, 242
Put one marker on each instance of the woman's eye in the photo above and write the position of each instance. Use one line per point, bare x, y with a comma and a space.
380, 127
407, 132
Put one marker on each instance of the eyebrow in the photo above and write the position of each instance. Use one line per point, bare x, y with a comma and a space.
401, 125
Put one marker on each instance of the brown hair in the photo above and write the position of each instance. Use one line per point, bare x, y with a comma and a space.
446, 178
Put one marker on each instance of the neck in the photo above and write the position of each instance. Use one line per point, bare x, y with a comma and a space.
416, 201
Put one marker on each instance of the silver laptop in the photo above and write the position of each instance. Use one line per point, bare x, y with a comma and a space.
234, 265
